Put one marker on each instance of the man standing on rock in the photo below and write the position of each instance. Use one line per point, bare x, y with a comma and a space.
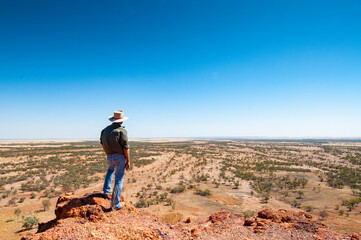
114, 140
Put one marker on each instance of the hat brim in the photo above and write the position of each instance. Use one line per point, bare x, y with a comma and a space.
117, 120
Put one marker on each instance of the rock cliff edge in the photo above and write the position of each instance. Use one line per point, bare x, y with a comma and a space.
90, 217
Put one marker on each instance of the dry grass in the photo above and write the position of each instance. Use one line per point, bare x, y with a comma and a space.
172, 218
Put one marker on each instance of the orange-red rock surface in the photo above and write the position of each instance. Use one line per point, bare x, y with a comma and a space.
90, 217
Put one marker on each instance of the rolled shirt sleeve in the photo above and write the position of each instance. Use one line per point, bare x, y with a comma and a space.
123, 139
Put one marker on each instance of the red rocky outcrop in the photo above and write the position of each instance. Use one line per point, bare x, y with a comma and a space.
90, 217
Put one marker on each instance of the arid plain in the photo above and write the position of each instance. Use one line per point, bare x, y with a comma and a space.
185, 178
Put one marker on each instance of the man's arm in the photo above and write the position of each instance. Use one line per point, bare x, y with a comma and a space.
101, 141
126, 155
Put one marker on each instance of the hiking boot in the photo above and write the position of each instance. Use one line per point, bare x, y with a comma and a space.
122, 204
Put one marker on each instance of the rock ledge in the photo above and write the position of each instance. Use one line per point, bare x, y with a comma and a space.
90, 217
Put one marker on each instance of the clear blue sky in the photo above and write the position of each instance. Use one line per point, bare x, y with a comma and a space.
180, 68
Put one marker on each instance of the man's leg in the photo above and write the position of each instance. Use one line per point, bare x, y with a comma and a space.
118, 184
108, 177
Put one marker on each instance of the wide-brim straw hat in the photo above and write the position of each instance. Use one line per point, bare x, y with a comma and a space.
118, 117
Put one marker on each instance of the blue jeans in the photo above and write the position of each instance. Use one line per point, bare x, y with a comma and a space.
116, 164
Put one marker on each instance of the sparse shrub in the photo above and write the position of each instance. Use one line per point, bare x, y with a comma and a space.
350, 204
46, 204
323, 214
356, 193
47, 192
30, 221
309, 208
169, 201
206, 192
12, 201
142, 203
341, 212
163, 196
296, 204
17, 212
300, 194
178, 189
265, 197
303, 182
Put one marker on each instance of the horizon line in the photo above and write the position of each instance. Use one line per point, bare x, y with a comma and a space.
194, 138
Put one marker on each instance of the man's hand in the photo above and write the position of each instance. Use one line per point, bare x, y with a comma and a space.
126, 155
